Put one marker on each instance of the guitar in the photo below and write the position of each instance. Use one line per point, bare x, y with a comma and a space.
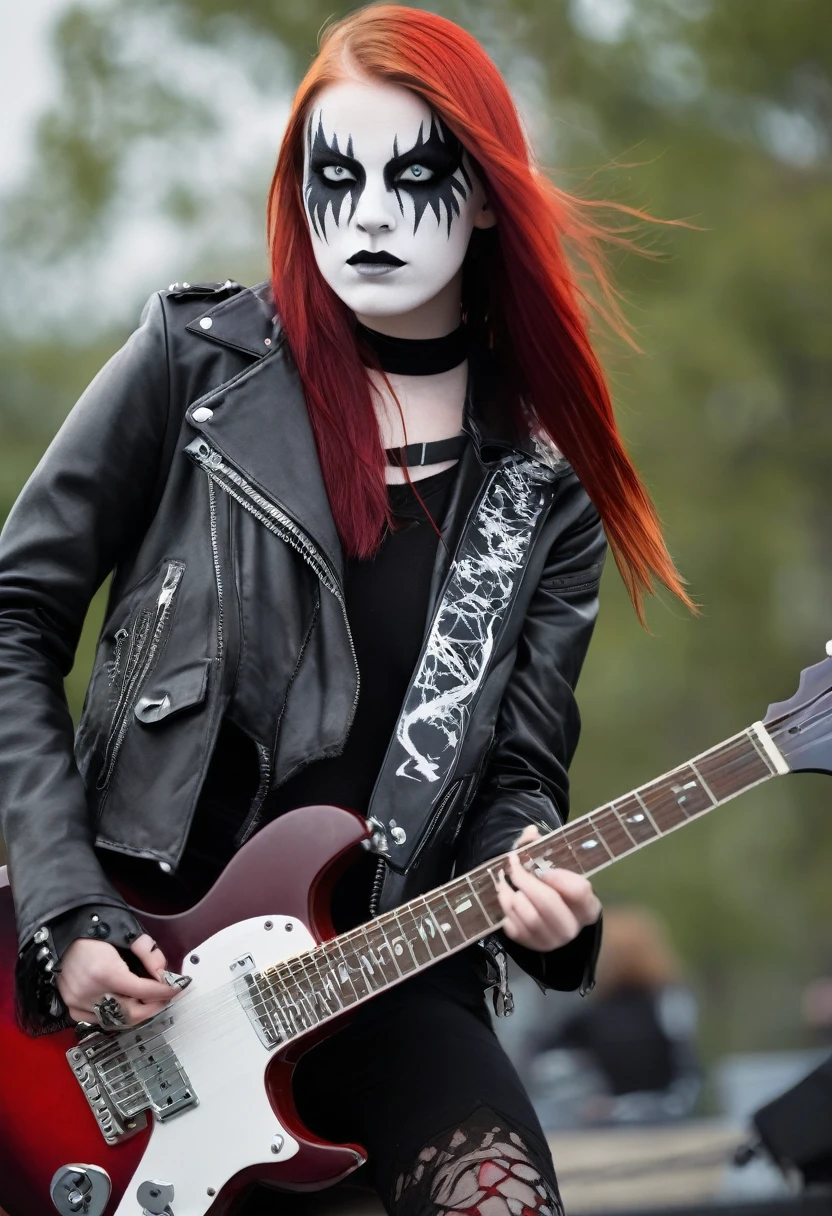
176, 1116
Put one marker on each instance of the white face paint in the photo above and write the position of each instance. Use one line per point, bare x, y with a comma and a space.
384, 177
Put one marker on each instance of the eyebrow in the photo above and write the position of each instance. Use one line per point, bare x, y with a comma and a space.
321, 151
441, 150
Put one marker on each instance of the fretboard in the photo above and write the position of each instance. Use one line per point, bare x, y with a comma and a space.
294, 996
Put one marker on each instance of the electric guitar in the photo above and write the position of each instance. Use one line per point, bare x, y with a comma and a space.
176, 1116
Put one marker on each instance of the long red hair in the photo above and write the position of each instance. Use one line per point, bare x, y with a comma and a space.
520, 289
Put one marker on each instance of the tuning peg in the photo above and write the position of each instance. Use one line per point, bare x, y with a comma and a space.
829, 648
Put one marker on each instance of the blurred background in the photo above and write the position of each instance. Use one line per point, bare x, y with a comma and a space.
138, 141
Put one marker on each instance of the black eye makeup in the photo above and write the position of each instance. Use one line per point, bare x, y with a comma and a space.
332, 174
431, 172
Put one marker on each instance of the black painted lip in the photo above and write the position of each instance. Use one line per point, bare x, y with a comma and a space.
381, 258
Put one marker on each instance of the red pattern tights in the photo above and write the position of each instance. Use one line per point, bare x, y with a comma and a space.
480, 1168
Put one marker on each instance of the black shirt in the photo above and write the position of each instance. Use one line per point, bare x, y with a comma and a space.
387, 603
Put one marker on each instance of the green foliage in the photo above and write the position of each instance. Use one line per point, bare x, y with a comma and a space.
718, 113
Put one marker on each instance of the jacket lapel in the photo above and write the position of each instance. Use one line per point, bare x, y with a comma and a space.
260, 424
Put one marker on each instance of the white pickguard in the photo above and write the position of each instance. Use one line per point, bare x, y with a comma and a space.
234, 1125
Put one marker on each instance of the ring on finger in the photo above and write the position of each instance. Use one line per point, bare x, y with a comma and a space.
109, 1012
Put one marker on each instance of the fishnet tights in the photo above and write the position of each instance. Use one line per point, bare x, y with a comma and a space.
480, 1168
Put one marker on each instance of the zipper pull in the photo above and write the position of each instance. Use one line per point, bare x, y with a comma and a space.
502, 997
169, 585
115, 663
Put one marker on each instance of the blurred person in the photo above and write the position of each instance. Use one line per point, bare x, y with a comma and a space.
280, 478
816, 1006
636, 1037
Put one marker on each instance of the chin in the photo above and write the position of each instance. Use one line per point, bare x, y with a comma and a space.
385, 299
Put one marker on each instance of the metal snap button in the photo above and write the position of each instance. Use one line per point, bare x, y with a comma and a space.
206, 322
202, 414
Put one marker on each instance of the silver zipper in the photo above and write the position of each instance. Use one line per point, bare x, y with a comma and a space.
212, 506
378, 883
115, 662
273, 517
139, 661
138, 637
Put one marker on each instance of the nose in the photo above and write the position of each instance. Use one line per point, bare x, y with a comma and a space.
377, 209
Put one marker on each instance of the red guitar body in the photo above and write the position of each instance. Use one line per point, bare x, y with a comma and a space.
287, 871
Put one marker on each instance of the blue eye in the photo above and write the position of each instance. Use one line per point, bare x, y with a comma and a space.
337, 173
415, 173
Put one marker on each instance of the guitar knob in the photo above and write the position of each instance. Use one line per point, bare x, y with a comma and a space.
81, 1189
829, 648
155, 1198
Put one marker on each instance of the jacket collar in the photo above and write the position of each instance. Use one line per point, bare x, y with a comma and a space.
246, 321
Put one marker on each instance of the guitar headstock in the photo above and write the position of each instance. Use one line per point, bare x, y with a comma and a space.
801, 727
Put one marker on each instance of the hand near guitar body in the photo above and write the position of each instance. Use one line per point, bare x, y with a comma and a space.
546, 909
543, 911
92, 970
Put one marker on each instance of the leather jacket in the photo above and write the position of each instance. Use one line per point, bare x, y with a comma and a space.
188, 469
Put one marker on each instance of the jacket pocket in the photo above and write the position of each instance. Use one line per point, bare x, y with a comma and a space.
582, 580
136, 650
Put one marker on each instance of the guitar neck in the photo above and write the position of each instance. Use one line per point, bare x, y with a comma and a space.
351, 968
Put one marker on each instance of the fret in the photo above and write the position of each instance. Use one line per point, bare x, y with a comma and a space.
430, 930
293, 975
565, 856
406, 952
326, 993
380, 953
558, 852
290, 1009
704, 784
587, 844
445, 918
615, 836
273, 1008
624, 828
468, 910
639, 799
263, 1006
753, 761
371, 972
676, 797
637, 819
350, 971
767, 749
484, 885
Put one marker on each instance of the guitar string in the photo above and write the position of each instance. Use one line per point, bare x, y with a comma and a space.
289, 978
294, 976
316, 954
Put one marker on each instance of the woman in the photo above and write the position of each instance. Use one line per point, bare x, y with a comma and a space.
319, 477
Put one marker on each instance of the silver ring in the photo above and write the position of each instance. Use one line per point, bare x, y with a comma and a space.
109, 1013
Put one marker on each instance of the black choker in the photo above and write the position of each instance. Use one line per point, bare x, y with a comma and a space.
417, 356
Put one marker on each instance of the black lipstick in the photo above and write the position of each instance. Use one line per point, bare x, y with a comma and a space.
382, 258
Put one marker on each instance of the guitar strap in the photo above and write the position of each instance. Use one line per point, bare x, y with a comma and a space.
464, 633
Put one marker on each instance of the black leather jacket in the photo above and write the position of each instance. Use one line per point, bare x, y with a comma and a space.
188, 469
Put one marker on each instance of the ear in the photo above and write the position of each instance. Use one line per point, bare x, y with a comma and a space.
485, 217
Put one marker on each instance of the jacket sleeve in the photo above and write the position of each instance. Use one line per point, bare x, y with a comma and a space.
537, 732
87, 503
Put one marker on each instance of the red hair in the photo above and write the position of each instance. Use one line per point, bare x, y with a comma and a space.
519, 290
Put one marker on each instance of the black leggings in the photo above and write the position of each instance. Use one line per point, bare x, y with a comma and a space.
420, 1080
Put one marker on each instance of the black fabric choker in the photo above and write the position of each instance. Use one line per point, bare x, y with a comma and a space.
417, 356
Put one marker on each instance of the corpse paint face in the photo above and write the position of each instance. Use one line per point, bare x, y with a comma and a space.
390, 194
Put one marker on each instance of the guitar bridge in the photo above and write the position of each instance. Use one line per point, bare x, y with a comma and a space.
125, 1075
